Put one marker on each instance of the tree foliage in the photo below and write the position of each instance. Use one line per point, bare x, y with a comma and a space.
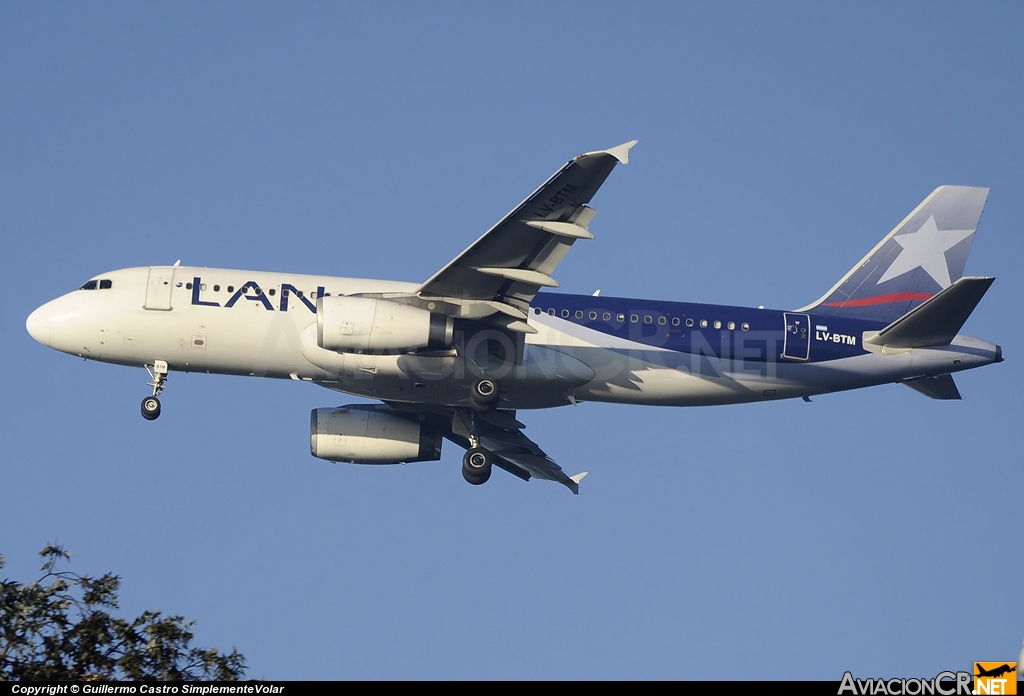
60, 628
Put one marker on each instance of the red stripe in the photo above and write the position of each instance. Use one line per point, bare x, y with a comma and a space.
881, 299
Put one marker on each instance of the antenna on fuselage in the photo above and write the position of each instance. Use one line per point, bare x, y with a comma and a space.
177, 263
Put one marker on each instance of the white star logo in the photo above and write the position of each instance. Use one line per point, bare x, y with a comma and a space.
925, 249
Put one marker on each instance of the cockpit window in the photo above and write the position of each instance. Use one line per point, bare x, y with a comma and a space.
106, 284
91, 285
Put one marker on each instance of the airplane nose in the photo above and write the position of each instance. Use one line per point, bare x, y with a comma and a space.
38, 325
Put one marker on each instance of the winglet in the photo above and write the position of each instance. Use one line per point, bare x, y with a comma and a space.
621, 152
575, 487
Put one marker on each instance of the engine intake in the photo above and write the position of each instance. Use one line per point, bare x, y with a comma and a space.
368, 435
359, 324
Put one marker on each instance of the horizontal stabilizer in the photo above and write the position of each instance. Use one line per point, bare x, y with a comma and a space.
937, 321
941, 387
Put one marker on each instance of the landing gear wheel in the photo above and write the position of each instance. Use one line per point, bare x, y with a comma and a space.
484, 393
151, 408
476, 465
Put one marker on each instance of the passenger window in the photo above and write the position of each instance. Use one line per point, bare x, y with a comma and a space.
607, 316
216, 288
647, 319
536, 310
91, 285
188, 286
732, 326
231, 288
689, 322
202, 287
718, 324
299, 293
593, 315
703, 323
565, 313
551, 312
745, 326
675, 321
106, 284
579, 313
634, 318
661, 321
272, 291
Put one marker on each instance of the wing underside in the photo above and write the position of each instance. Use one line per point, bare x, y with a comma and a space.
502, 435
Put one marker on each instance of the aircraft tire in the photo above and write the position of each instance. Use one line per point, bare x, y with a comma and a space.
484, 394
476, 465
151, 408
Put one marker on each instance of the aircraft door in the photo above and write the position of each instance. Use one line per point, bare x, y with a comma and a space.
797, 342
158, 290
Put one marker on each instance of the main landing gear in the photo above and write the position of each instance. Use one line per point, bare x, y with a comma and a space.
484, 394
476, 463
151, 404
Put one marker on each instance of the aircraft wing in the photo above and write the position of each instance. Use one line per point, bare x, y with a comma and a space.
504, 269
502, 435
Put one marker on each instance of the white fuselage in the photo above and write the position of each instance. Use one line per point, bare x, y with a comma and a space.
214, 321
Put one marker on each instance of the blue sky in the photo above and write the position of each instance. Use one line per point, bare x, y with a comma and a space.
874, 531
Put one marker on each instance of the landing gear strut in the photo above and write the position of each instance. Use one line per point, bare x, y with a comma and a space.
151, 404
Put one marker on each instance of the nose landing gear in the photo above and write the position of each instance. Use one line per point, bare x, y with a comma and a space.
151, 404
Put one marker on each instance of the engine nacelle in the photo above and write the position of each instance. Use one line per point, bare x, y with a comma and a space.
363, 435
359, 324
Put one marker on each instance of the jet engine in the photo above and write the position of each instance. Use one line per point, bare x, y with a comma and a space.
362, 434
359, 324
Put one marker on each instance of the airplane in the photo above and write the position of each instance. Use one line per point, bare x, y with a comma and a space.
995, 671
458, 356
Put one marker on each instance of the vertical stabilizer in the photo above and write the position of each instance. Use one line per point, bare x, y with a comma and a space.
923, 255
